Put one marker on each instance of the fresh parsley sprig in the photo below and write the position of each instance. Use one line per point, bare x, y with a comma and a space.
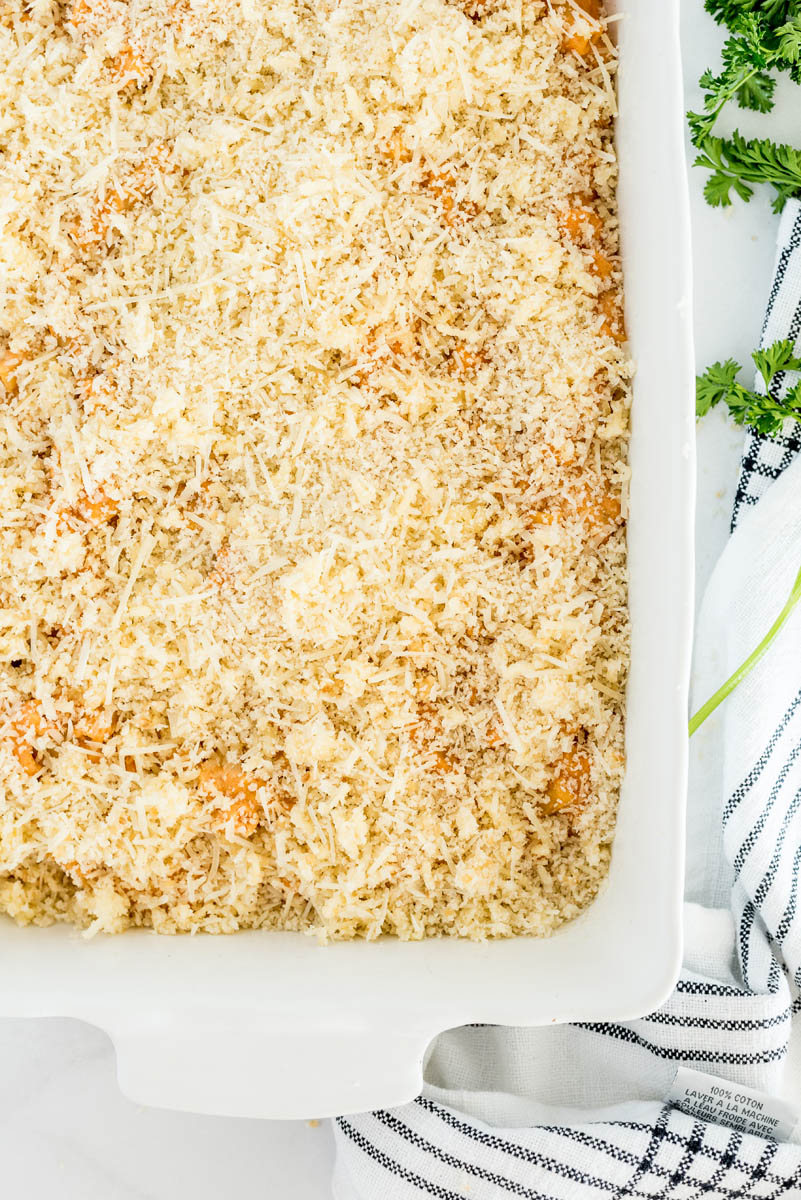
738, 163
757, 46
760, 411
747, 59
766, 37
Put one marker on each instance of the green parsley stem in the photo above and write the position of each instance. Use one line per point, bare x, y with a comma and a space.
726, 96
739, 675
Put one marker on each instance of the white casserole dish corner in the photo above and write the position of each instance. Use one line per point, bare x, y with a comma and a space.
271, 1024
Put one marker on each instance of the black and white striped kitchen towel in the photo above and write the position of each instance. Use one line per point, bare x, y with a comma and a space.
579, 1112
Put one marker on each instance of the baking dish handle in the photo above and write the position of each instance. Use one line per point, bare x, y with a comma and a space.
250, 1072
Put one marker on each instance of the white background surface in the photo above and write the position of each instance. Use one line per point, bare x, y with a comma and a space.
65, 1129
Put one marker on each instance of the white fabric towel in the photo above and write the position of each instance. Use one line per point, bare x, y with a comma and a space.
580, 1112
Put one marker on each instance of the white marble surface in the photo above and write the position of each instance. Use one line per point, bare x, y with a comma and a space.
64, 1127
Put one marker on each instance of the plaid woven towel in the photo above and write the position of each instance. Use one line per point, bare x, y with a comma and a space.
579, 1112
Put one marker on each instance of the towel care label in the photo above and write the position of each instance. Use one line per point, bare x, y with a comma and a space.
742, 1108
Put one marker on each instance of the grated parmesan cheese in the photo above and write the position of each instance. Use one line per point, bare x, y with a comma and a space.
312, 465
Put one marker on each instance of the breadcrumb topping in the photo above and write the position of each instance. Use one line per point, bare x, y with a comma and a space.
313, 420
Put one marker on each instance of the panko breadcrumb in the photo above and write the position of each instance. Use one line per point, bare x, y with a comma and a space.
314, 420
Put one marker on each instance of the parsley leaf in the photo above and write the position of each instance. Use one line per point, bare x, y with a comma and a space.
756, 92
737, 163
789, 46
775, 360
715, 385
760, 411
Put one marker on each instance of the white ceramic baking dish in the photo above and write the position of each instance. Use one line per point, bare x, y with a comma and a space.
273, 1025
